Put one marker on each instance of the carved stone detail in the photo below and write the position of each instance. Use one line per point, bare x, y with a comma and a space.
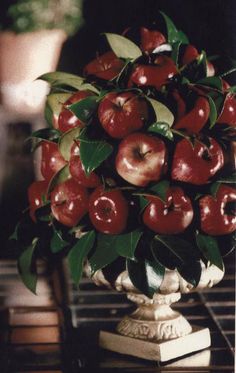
154, 320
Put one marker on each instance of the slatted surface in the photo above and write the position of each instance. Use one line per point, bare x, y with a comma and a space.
94, 309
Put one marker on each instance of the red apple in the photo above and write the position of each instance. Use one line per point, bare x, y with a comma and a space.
151, 39
122, 113
228, 114
78, 173
69, 202
180, 104
190, 54
155, 75
36, 191
108, 210
170, 217
197, 163
141, 158
215, 219
106, 66
67, 120
195, 119
52, 160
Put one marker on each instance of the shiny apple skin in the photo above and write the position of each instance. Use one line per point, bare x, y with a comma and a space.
155, 75
69, 202
195, 119
36, 191
170, 217
196, 165
141, 158
228, 114
107, 66
67, 120
214, 219
51, 161
150, 39
122, 113
77, 172
108, 211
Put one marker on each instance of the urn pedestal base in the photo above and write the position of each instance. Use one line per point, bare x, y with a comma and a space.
163, 351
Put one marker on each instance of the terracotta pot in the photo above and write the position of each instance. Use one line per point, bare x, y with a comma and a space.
23, 58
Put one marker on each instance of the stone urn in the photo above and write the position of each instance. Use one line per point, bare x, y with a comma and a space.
155, 331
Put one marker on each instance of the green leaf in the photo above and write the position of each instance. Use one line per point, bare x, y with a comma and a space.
214, 189
202, 60
175, 52
163, 114
172, 251
209, 247
123, 47
162, 129
67, 140
93, 152
48, 134
160, 189
105, 252
26, 267
211, 81
232, 89
14, 235
85, 108
57, 242
62, 175
213, 112
78, 253
174, 35
191, 272
143, 202
53, 107
126, 244
146, 275
59, 78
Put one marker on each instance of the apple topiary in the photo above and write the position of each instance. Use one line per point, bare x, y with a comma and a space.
137, 163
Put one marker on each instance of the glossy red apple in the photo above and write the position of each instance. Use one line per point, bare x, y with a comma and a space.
108, 210
67, 120
122, 113
69, 202
170, 217
197, 163
106, 66
36, 191
77, 172
228, 114
141, 158
150, 39
194, 120
52, 160
155, 75
218, 214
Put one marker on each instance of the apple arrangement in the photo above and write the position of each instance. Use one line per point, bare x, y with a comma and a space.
137, 163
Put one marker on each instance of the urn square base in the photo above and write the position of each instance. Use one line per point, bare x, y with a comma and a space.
197, 340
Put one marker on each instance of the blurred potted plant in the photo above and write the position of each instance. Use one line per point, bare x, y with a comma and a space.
31, 39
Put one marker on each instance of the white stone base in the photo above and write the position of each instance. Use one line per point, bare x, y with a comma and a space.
162, 351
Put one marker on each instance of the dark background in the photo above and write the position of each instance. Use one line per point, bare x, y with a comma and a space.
209, 24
